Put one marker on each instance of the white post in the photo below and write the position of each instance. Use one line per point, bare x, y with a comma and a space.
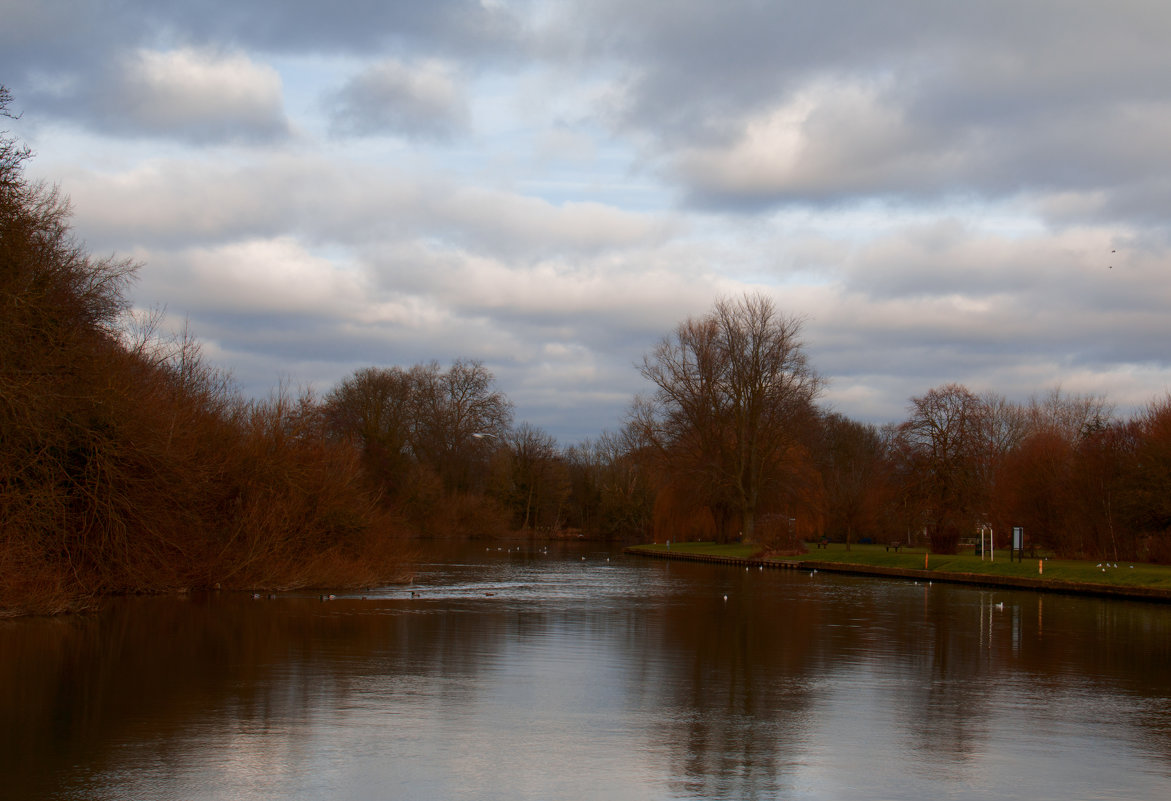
992, 544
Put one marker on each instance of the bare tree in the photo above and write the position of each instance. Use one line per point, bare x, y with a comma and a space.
611, 486
443, 421
535, 480
457, 413
372, 409
853, 461
1068, 416
732, 390
948, 437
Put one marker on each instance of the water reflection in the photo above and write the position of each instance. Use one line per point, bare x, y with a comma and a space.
545, 675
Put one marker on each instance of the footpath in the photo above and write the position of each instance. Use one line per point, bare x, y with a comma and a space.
1013, 582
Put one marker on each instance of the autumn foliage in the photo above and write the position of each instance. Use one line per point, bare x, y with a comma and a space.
128, 465
1080, 482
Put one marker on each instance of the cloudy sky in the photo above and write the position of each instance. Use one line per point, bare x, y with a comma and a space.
945, 191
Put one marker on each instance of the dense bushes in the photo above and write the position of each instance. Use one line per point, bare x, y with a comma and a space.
131, 465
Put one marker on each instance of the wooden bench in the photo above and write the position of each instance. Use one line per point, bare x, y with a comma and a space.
895, 545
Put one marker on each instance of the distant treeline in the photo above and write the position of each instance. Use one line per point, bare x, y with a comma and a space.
731, 445
128, 464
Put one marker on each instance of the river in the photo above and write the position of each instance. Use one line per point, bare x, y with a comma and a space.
581, 673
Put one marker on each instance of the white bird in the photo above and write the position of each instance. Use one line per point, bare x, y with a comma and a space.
1000, 605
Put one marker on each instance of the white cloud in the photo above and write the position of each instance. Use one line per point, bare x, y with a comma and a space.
169, 202
829, 138
195, 95
263, 277
213, 199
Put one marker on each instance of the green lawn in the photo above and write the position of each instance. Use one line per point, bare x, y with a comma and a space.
1140, 575
737, 550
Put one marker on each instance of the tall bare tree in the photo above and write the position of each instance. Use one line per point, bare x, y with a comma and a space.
732, 390
946, 437
457, 414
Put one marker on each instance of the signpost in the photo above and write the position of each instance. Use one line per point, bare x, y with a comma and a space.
1018, 543
990, 548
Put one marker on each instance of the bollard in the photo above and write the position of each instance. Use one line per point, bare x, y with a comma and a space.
1040, 566
926, 556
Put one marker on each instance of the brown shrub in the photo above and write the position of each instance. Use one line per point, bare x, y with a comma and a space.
130, 465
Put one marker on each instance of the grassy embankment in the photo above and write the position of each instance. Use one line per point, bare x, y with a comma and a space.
1058, 573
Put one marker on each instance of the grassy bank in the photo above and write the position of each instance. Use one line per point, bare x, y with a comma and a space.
1145, 580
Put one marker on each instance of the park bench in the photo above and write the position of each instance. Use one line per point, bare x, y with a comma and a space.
895, 545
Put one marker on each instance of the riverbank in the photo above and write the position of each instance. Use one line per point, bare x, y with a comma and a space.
1124, 580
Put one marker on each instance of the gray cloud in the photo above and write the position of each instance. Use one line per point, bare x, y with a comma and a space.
754, 105
391, 98
55, 28
946, 192
195, 96
470, 27
139, 67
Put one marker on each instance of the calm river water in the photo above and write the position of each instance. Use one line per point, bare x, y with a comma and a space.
586, 674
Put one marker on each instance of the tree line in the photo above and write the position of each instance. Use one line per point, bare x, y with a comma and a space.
127, 463
732, 445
